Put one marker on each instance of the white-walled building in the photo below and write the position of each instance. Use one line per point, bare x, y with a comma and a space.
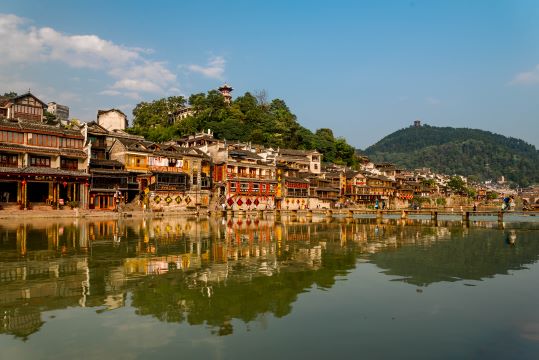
112, 119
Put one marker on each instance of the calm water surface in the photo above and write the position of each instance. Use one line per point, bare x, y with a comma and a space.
248, 288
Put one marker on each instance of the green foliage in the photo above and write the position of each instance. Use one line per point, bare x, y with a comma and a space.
456, 184
428, 182
49, 118
469, 152
157, 112
247, 118
10, 94
441, 201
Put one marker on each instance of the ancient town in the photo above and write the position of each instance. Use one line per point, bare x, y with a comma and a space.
98, 165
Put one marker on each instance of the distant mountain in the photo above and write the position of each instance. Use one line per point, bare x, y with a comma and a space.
470, 152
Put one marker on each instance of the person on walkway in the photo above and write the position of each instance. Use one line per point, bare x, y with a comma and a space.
506, 205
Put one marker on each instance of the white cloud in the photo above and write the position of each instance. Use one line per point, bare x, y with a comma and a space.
128, 67
527, 78
214, 70
127, 94
433, 101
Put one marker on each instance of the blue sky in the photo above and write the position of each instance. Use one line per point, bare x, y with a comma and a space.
362, 68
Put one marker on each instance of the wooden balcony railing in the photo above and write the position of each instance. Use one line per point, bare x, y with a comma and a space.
171, 169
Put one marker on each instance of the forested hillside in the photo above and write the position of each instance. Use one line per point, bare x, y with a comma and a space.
247, 118
479, 154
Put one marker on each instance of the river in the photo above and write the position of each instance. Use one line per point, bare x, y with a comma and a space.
255, 288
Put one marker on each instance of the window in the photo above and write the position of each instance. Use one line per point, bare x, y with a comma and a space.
73, 143
272, 188
233, 186
40, 161
256, 187
316, 166
11, 137
8, 160
69, 164
263, 187
42, 140
244, 187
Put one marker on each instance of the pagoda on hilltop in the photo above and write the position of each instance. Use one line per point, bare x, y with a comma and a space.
226, 90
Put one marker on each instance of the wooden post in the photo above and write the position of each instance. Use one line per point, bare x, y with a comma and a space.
466, 216
350, 214
434, 215
310, 213
500, 216
404, 214
378, 214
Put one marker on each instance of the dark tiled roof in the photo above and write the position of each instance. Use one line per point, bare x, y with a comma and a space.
109, 172
244, 154
105, 162
296, 180
100, 112
51, 171
327, 189
35, 170
294, 152
95, 129
74, 152
39, 127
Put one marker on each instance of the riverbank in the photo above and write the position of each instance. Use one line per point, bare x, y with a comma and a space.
77, 213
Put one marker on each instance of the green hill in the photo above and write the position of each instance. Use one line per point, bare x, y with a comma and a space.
474, 153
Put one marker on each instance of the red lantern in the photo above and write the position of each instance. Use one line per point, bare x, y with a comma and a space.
64, 183
24, 182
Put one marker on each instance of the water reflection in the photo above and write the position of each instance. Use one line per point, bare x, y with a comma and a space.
214, 271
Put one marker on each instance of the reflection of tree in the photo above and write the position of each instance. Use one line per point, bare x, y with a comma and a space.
171, 298
480, 254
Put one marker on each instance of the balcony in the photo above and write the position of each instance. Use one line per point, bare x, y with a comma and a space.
137, 167
249, 176
171, 169
8, 164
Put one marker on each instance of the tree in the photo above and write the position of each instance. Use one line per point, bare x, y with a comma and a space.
248, 118
456, 184
50, 118
10, 94
157, 112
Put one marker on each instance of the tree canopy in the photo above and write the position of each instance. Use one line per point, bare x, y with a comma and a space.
249, 118
478, 154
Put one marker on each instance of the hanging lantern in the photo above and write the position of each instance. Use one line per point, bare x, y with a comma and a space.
24, 182
64, 183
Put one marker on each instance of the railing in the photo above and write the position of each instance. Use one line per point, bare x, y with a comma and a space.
134, 167
10, 165
249, 176
108, 186
166, 169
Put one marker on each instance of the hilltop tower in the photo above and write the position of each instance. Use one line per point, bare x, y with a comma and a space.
226, 90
